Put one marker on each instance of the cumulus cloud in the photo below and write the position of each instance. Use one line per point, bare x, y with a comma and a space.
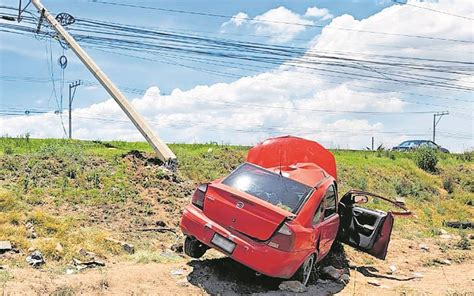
280, 23
283, 101
320, 13
237, 20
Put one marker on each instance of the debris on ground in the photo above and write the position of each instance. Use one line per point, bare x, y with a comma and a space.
177, 272
373, 282
442, 261
59, 248
332, 272
424, 247
177, 247
129, 248
35, 259
5, 246
459, 224
80, 265
292, 286
471, 235
442, 231
445, 236
87, 254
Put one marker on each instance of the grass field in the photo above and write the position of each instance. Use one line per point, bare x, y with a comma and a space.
78, 193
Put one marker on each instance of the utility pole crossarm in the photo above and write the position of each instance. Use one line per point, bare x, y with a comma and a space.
163, 151
435, 122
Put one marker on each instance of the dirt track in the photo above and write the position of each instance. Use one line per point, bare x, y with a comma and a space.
225, 277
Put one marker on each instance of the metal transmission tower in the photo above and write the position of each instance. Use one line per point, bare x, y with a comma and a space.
163, 151
435, 122
72, 92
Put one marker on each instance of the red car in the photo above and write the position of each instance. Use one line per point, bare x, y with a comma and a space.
279, 212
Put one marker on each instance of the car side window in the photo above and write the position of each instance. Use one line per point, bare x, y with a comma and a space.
330, 201
318, 214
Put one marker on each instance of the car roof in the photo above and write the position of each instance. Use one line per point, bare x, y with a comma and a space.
308, 174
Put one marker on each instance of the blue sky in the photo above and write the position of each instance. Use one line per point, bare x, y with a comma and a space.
25, 56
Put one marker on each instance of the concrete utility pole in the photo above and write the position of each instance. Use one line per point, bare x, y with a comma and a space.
435, 122
72, 92
163, 151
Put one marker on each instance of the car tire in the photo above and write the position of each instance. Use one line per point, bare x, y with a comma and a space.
194, 248
303, 274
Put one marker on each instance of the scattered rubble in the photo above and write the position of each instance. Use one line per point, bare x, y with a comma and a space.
177, 247
459, 224
80, 265
332, 272
442, 261
129, 248
177, 272
471, 235
5, 246
35, 259
292, 286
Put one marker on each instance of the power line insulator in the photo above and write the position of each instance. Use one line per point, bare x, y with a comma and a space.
62, 61
65, 19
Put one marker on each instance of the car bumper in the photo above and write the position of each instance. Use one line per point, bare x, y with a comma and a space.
258, 256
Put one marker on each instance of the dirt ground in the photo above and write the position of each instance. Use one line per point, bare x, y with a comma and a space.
417, 273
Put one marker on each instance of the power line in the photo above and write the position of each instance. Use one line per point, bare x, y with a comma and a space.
270, 21
433, 10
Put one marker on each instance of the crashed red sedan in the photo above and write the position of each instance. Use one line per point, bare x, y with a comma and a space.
279, 212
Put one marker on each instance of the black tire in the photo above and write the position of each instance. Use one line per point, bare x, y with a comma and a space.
303, 274
194, 248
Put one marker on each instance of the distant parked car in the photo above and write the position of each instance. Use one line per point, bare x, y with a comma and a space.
415, 144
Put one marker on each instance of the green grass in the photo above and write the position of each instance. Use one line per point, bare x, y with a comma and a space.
39, 178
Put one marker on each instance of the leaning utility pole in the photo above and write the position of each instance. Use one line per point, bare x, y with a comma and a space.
435, 122
72, 93
163, 151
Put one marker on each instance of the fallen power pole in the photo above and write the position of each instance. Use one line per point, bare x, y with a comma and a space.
164, 152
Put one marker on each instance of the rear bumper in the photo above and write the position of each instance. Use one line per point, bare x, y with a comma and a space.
256, 255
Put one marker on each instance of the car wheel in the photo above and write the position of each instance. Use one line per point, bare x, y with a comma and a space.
194, 248
303, 274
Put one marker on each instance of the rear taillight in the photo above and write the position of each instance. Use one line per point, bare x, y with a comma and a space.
283, 239
199, 195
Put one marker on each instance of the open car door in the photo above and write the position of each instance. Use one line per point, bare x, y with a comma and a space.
366, 229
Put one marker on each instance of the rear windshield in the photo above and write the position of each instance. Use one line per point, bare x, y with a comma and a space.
268, 186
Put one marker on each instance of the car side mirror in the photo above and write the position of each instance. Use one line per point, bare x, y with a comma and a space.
361, 199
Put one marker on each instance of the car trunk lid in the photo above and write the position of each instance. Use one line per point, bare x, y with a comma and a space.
242, 212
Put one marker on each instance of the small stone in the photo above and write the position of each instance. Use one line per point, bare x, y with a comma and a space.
69, 271
471, 236
373, 283
30, 250
31, 233
445, 236
333, 272
418, 275
442, 231
292, 286
442, 261
424, 247
392, 269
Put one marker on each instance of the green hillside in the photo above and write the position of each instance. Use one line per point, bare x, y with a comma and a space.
78, 193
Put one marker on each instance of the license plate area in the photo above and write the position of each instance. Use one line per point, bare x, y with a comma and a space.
223, 243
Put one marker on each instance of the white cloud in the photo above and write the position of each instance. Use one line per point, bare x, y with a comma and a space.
283, 101
320, 13
238, 20
280, 23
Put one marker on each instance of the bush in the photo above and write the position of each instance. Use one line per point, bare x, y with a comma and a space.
448, 184
426, 159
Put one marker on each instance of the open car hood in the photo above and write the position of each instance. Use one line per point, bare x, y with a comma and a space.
289, 150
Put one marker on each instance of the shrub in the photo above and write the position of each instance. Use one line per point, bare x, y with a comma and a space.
426, 159
448, 184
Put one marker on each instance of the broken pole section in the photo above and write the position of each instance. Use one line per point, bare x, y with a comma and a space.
164, 152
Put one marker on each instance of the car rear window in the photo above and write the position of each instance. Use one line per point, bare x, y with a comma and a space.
271, 187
